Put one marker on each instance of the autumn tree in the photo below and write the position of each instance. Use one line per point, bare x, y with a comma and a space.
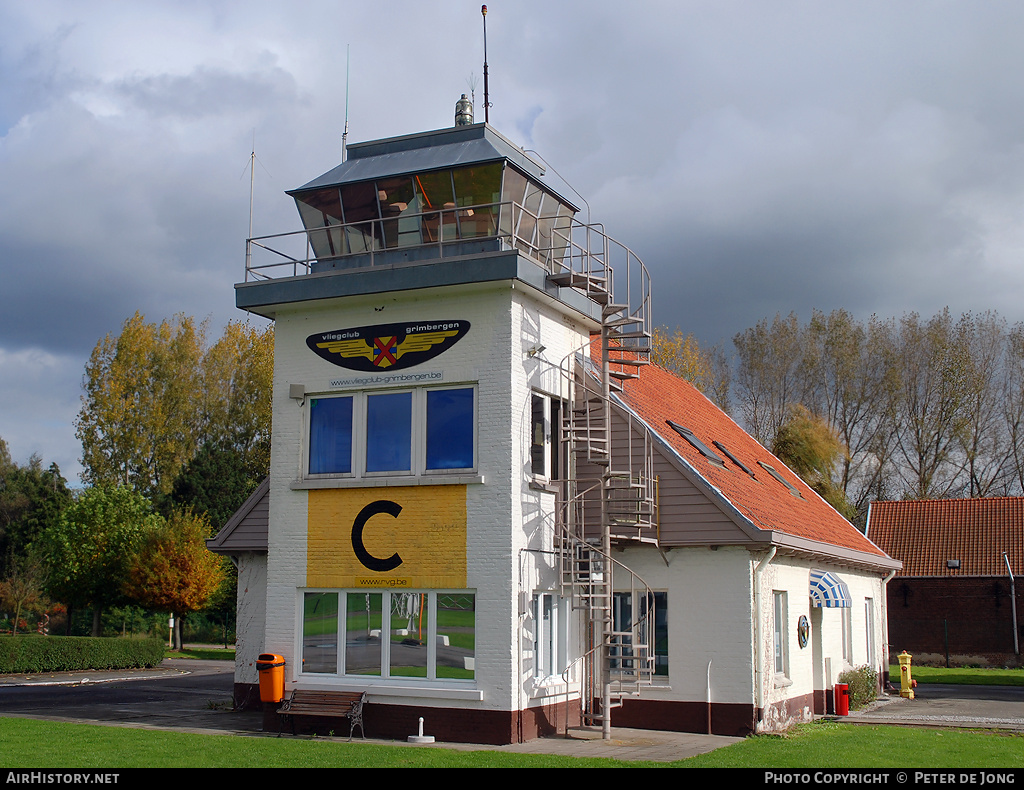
707, 369
237, 375
21, 588
172, 570
984, 438
140, 416
154, 395
768, 374
810, 447
926, 407
931, 359
1012, 389
848, 370
87, 551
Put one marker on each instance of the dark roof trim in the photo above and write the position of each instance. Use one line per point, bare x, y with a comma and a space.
221, 543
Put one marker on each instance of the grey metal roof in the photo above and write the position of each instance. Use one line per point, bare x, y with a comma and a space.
248, 528
417, 153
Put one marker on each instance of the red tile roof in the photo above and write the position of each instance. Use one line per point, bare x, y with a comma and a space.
927, 533
658, 396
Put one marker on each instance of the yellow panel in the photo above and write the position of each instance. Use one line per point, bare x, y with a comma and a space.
403, 537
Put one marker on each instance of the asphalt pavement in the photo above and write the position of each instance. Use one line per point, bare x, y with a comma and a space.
941, 705
196, 696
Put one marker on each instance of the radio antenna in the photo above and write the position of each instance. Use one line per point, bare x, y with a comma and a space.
344, 135
487, 103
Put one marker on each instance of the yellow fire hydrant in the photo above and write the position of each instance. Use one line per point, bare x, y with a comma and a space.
906, 681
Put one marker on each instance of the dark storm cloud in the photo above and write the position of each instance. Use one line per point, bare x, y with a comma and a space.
761, 158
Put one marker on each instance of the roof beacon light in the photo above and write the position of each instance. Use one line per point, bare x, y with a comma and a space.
463, 112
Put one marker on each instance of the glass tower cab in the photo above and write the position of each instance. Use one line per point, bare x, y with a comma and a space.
460, 191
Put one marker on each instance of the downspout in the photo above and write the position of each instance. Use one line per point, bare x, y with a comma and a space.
1013, 606
885, 620
709, 697
758, 664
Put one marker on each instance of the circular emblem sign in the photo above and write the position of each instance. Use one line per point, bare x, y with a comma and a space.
803, 630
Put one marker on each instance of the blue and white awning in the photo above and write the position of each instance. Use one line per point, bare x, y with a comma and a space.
829, 591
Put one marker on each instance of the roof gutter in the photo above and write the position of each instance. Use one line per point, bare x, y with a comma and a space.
762, 566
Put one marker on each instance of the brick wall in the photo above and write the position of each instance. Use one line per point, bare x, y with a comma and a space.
962, 617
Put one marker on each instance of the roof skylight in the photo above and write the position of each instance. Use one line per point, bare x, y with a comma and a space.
770, 470
734, 459
704, 450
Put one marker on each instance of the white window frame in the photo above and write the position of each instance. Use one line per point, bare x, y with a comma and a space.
553, 461
387, 626
550, 635
622, 661
869, 630
846, 619
418, 437
780, 630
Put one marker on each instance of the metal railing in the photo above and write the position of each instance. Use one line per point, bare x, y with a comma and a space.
560, 243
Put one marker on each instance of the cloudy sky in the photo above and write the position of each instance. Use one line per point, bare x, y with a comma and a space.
760, 157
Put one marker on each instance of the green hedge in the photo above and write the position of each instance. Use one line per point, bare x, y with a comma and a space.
69, 653
863, 683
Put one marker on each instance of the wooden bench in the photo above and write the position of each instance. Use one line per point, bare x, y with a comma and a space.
334, 704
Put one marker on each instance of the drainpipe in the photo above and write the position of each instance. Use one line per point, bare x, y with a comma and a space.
1013, 606
885, 620
709, 697
758, 663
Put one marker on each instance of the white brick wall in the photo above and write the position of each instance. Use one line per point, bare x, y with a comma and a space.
251, 615
504, 517
711, 620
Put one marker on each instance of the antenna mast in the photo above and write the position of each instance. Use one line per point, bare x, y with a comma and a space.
487, 104
344, 135
252, 180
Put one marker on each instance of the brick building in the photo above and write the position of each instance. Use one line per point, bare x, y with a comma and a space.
486, 508
951, 601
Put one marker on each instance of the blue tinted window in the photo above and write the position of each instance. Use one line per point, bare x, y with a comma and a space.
389, 432
450, 429
330, 436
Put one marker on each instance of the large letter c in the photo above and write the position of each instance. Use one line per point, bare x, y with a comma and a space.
367, 559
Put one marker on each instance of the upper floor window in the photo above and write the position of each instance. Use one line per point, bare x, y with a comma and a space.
402, 432
546, 414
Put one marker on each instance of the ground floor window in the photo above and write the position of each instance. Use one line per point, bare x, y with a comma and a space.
550, 634
389, 634
779, 624
847, 615
651, 613
869, 628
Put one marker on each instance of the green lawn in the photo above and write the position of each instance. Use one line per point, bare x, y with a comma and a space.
29, 743
967, 676
206, 654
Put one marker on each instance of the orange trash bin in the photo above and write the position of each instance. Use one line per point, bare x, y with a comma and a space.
271, 669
